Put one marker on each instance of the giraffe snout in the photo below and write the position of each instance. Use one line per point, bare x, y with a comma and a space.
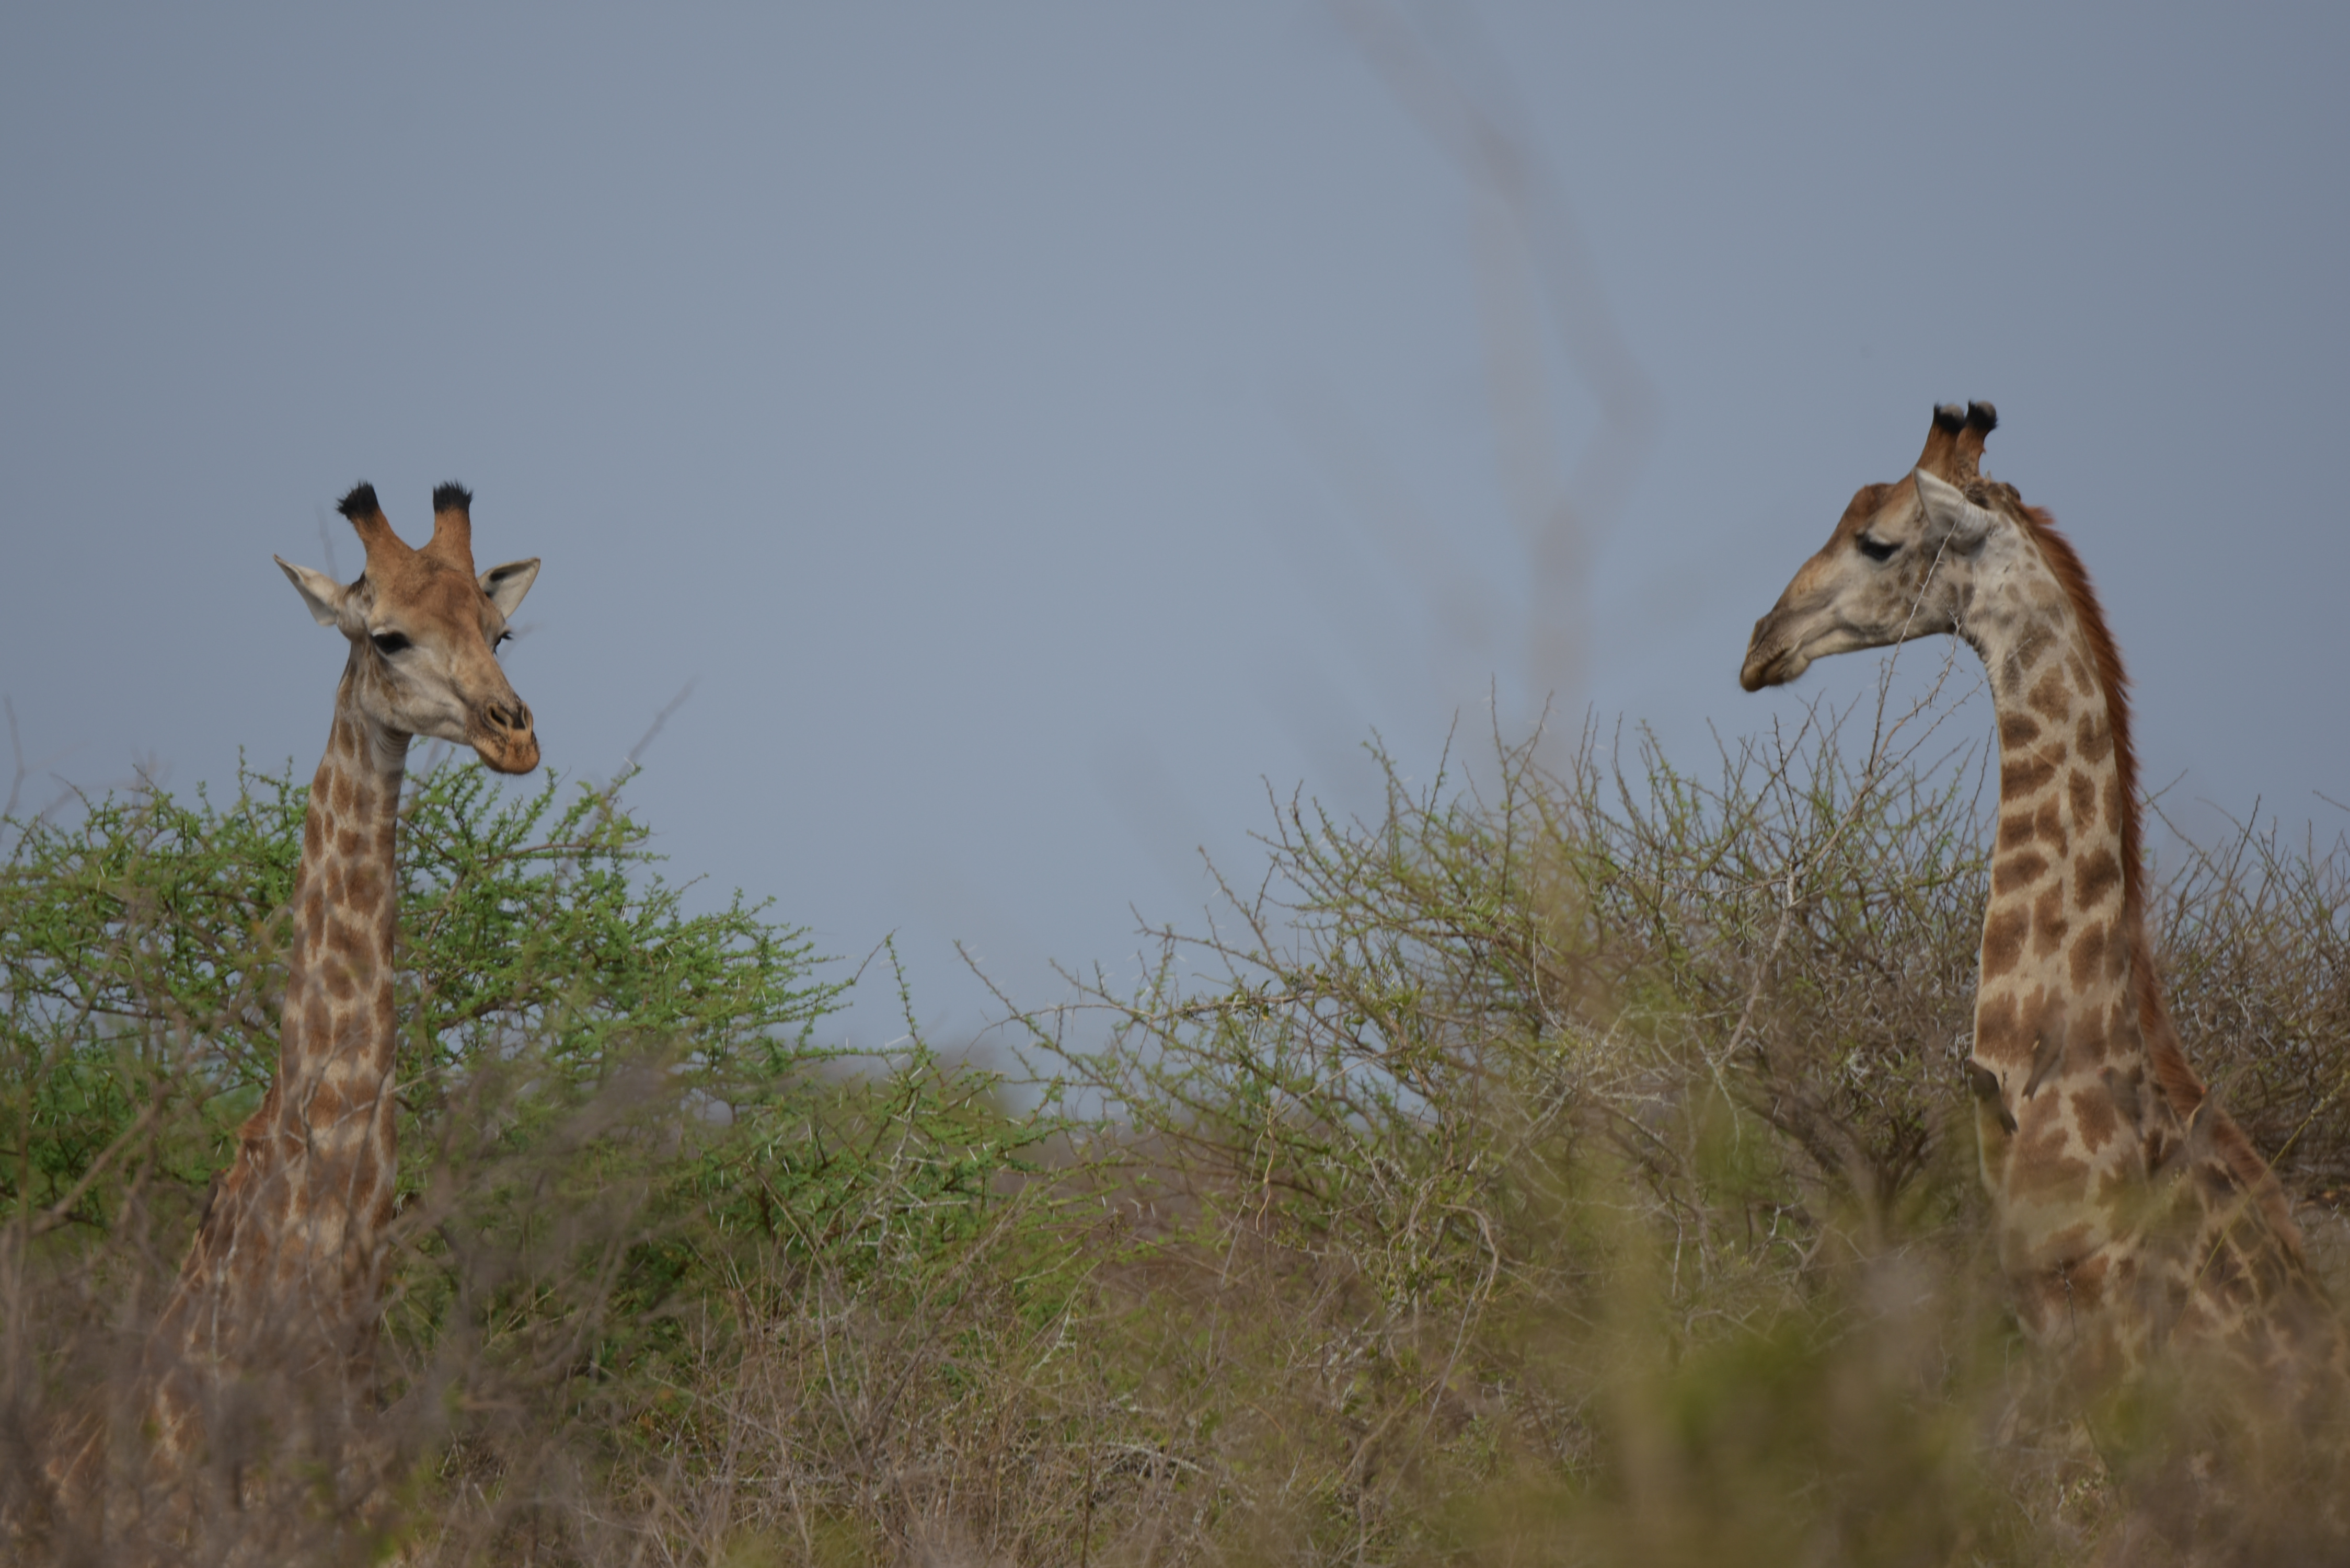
1771, 659
504, 737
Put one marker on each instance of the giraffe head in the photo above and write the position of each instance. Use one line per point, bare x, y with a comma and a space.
1902, 563
424, 630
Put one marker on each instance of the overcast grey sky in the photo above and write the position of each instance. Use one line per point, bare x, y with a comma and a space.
1034, 429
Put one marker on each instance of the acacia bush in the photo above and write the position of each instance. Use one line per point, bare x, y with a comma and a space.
2255, 938
1535, 1087
1564, 1163
600, 1097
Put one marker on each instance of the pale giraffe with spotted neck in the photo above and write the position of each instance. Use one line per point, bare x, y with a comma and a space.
2137, 1227
284, 1273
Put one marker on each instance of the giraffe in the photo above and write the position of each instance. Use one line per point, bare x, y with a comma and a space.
2138, 1230
283, 1272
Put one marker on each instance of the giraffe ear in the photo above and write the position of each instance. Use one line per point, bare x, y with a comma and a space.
320, 592
506, 585
1950, 513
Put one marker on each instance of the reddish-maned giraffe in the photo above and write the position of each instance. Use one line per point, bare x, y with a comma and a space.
2139, 1230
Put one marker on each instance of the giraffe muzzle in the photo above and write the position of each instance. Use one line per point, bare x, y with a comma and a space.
1771, 659
504, 737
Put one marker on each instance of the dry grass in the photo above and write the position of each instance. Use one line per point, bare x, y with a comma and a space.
1554, 1168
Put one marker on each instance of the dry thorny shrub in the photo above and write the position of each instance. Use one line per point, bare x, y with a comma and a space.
1559, 1165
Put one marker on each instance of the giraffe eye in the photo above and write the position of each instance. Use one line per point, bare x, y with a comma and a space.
388, 643
1876, 549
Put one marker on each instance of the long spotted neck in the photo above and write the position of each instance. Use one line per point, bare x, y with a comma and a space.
2071, 1116
337, 1044
289, 1248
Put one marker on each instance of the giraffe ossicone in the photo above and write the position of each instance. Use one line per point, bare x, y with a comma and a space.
285, 1274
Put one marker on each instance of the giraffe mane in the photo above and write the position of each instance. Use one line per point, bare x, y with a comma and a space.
2180, 1084
2066, 563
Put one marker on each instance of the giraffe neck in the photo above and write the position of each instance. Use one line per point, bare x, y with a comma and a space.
286, 1257
2071, 1118
2136, 1221
336, 1042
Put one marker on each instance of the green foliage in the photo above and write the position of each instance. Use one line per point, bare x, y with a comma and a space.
141, 965
135, 949
622, 1145
525, 919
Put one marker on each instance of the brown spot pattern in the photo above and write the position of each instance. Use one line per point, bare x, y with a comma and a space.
2088, 955
2031, 645
2043, 1166
2083, 789
2048, 922
2096, 874
2026, 775
2003, 934
2093, 737
2012, 872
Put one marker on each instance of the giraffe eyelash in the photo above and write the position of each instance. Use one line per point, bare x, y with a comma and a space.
1876, 549
389, 642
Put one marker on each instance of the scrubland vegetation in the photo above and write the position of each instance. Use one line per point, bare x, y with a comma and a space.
1563, 1165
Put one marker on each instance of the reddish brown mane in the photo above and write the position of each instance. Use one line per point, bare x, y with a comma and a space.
2065, 562
2179, 1082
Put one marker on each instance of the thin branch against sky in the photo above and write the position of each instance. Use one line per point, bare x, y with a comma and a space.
1542, 310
